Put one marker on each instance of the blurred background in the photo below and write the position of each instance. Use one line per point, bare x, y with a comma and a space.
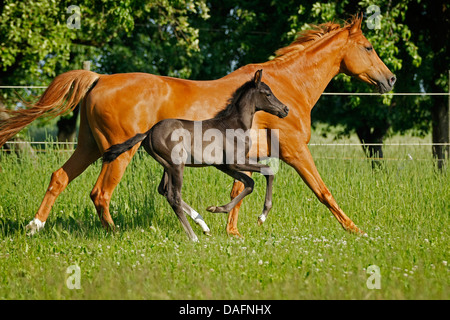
200, 39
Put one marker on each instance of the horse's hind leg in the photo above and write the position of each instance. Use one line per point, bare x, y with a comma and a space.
162, 189
110, 176
83, 156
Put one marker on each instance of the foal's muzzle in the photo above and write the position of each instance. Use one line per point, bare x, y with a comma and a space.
284, 113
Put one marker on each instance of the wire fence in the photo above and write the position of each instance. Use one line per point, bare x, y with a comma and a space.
357, 152
324, 93
347, 151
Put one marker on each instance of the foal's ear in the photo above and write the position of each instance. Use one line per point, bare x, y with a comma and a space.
258, 76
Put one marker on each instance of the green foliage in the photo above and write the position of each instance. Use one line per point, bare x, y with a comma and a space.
163, 41
207, 40
36, 42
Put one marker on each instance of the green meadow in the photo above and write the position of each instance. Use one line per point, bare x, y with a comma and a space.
301, 252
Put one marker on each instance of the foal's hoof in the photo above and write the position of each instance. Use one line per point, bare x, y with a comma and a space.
215, 209
261, 220
207, 233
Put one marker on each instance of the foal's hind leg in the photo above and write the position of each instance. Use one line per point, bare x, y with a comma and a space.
162, 189
175, 177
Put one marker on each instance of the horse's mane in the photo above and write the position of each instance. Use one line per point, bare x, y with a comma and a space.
232, 102
308, 37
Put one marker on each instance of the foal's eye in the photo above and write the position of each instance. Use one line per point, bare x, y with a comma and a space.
369, 48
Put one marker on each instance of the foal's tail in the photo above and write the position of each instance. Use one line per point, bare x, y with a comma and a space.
116, 150
61, 96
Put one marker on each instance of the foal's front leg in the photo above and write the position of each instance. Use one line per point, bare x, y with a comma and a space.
248, 188
234, 171
268, 174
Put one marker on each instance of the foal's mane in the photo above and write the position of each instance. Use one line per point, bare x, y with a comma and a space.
232, 102
307, 38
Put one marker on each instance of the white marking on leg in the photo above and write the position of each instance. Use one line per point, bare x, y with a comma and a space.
34, 226
198, 219
261, 219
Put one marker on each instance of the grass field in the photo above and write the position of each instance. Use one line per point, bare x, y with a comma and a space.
301, 252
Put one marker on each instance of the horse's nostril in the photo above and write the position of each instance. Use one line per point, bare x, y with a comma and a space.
392, 81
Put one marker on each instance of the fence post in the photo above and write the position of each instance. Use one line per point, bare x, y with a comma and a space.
87, 65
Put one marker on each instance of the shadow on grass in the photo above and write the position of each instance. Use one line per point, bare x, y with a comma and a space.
136, 215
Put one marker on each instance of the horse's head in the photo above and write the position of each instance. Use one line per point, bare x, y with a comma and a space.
265, 100
361, 61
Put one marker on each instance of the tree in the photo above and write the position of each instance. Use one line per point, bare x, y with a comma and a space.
430, 22
39, 40
242, 32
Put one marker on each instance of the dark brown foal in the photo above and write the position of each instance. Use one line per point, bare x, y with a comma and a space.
230, 129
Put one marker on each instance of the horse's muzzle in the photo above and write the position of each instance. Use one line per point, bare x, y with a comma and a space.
387, 85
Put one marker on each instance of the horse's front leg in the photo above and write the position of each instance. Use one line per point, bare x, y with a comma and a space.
300, 158
233, 215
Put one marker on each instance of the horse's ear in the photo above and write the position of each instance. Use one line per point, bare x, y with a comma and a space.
257, 78
356, 23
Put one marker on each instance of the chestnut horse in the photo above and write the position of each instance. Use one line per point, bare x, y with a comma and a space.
119, 106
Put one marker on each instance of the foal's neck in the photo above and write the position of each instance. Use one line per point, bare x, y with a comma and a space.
245, 112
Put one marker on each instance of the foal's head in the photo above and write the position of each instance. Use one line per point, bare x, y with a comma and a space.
264, 99
252, 96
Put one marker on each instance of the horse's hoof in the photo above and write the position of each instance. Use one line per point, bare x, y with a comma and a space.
235, 233
34, 226
355, 230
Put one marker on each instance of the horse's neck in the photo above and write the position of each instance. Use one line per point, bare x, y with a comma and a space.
309, 72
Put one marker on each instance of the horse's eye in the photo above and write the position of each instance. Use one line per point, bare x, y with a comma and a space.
369, 48
268, 94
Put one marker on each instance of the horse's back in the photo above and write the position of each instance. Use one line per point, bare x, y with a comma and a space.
122, 105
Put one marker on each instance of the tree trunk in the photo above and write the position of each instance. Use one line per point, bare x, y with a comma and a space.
67, 126
368, 137
440, 130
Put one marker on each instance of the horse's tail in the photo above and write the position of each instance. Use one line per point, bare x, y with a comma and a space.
61, 96
116, 150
